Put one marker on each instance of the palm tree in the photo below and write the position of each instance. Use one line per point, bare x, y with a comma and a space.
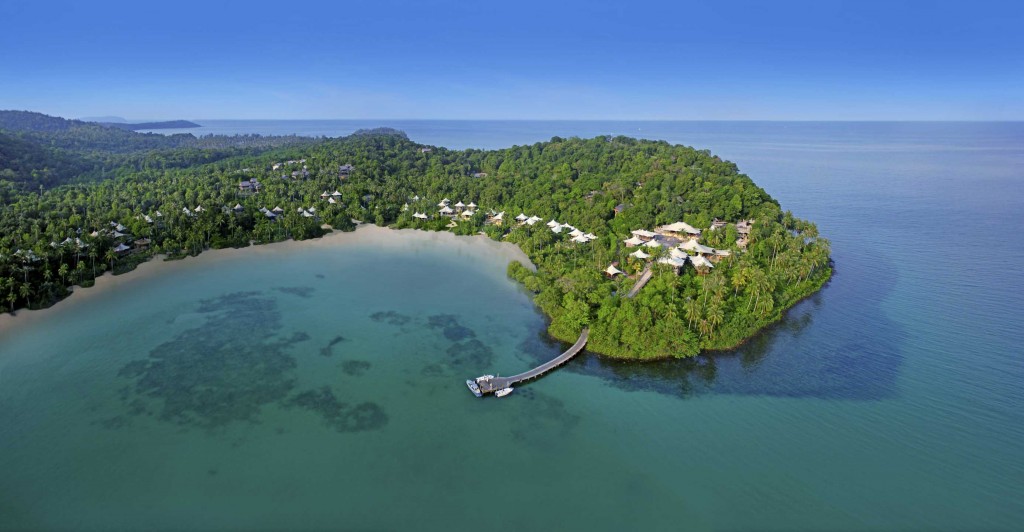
63, 272
110, 256
25, 292
692, 311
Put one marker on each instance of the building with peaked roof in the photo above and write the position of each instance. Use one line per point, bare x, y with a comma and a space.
644, 234
682, 229
419, 215
533, 220
639, 254
632, 241
612, 271
701, 264
696, 247
446, 210
522, 217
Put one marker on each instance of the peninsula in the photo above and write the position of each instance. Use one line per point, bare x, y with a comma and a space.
659, 250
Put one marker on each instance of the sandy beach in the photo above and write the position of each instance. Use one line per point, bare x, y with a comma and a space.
364, 234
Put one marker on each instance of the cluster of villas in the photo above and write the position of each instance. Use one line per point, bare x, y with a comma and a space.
459, 210
683, 243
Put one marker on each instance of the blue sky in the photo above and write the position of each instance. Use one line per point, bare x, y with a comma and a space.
681, 60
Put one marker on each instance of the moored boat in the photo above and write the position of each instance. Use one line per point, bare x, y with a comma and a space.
473, 387
503, 392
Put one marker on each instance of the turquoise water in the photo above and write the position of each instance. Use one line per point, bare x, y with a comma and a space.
320, 386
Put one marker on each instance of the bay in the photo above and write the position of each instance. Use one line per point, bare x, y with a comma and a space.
890, 400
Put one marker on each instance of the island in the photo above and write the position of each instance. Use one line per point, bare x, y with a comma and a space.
169, 124
658, 250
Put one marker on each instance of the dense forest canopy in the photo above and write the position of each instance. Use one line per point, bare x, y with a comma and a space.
64, 230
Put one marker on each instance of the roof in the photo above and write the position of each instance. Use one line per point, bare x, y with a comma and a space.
701, 262
612, 270
633, 241
419, 215
653, 244
446, 210
467, 213
460, 204
640, 254
697, 247
580, 239
553, 223
576, 232
500, 215
522, 217
335, 193
471, 204
673, 261
644, 233
681, 227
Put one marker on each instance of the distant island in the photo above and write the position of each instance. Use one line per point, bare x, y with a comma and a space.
170, 124
660, 250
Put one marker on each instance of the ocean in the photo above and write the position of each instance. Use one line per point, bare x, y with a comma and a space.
320, 385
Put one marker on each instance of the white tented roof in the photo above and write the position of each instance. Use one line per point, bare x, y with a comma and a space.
681, 227
612, 270
640, 254
701, 262
644, 233
553, 223
696, 247
653, 244
633, 241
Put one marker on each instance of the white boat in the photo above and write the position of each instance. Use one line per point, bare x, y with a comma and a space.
503, 392
473, 387
484, 378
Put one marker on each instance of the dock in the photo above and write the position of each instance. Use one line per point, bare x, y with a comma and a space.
497, 383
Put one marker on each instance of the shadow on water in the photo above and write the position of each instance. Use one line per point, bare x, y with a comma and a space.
836, 344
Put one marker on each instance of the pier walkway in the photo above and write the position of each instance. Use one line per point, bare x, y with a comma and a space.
497, 383
644, 277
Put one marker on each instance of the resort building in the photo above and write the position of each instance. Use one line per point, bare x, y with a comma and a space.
679, 230
612, 271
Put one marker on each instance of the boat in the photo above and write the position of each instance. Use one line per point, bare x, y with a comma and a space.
484, 378
503, 392
473, 387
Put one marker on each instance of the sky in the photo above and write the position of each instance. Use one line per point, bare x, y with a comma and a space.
551, 59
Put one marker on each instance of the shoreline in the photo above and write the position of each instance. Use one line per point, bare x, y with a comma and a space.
157, 265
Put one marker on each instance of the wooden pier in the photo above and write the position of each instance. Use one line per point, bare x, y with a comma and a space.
497, 383
644, 277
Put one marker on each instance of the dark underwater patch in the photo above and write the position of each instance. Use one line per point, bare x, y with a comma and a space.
301, 291
471, 354
328, 350
339, 415
391, 317
355, 367
221, 372
451, 327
